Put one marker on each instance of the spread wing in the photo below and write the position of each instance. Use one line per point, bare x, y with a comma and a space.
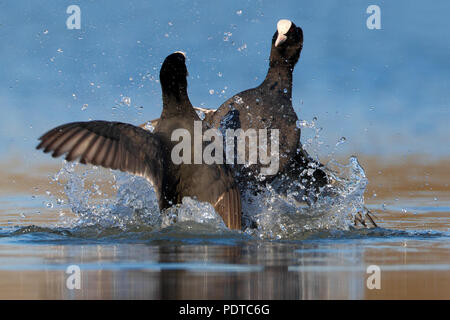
113, 145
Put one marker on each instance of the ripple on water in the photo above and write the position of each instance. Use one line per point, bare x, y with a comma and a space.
193, 233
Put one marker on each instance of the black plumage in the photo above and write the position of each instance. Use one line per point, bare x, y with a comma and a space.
129, 148
269, 106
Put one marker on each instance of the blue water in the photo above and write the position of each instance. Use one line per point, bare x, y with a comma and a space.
192, 233
386, 91
190, 260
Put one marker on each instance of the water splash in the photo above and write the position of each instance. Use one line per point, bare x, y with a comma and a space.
289, 216
133, 204
266, 215
191, 210
133, 207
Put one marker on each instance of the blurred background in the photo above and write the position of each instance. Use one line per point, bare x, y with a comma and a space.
386, 91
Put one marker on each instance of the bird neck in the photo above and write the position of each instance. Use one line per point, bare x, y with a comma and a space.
176, 103
280, 72
279, 77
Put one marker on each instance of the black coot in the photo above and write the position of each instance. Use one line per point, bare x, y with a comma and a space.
129, 148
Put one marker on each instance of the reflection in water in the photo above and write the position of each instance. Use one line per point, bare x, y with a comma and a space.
209, 264
261, 270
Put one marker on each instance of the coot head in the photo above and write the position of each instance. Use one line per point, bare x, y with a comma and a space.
173, 73
287, 42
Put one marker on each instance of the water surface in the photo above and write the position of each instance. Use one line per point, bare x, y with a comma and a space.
192, 260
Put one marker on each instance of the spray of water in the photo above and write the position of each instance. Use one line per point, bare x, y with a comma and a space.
267, 215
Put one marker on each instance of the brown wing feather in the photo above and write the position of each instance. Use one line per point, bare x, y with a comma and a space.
228, 206
113, 145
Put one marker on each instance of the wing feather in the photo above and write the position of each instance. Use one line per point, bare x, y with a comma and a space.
228, 206
60, 139
113, 145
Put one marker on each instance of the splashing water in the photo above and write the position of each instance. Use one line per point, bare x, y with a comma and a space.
134, 204
286, 216
192, 210
297, 211
134, 207
267, 215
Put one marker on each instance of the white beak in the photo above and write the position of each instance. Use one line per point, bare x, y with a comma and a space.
280, 39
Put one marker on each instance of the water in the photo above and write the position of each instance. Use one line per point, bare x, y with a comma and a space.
109, 225
369, 86
357, 85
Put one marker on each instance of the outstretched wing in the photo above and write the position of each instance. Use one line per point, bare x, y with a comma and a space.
113, 145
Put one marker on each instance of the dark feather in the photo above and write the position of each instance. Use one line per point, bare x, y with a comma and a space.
112, 145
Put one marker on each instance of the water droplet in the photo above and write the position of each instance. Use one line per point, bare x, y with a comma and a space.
45, 31
304, 124
211, 91
239, 12
84, 107
219, 74
243, 47
238, 100
59, 50
200, 114
126, 101
341, 141
148, 126
227, 36
285, 90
